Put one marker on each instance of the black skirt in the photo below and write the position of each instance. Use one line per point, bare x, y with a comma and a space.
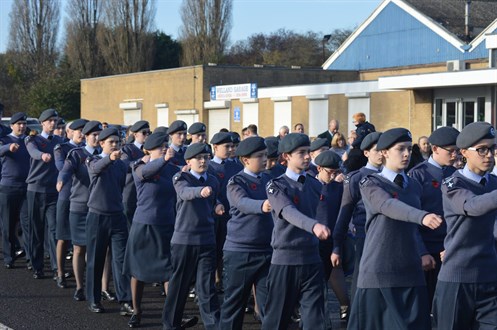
77, 222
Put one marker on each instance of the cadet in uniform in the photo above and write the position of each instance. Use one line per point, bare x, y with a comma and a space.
317, 146
106, 223
177, 135
466, 293
14, 171
131, 152
391, 290
273, 166
41, 192
352, 209
148, 254
430, 173
76, 172
247, 250
296, 271
193, 245
63, 230
198, 132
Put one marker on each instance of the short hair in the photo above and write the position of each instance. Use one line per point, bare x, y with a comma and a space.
337, 137
252, 128
224, 130
422, 137
297, 125
244, 130
359, 117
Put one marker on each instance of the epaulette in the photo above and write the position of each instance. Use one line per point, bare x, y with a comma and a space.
364, 181
270, 187
449, 182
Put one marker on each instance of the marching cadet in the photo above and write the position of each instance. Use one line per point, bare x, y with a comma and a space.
75, 174
14, 171
247, 250
131, 152
198, 133
148, 254
391, 290
430, 173
352, 209
223, 169
41, 192
328, 167
317, 146
177, 135
466, 292
193, 245
296, 272
63, 230
106, 224
273, 166
60, 129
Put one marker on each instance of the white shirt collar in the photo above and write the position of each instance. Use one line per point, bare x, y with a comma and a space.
292, 175
370, 166
138, 145
434, 163
217, 160
252, 174
390, 175
472, 175
45, 135
198, 175
90, 149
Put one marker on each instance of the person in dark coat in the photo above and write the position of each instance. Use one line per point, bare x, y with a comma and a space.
363, 128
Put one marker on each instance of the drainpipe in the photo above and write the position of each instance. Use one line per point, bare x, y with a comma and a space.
466, 20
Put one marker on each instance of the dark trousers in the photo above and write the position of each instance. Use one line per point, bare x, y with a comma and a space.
102, 232
359, 247
465, 305
129, 211
13, 209
190, 262
431, 278
41, 213
290, 285
390, 308
242, 270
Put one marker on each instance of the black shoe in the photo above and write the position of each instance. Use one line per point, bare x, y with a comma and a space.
96, 308
126, 309
61, 282
296, 317
10, 265
79, 295
29, 266
69, 255
134, 321
188, 321
55, 275
257, 317
108, 295
67, 275
192, 294
19, 254
344, 312
156, 284
38, 275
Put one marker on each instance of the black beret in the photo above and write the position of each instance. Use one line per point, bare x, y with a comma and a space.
92, 126
370, 140
293, 141
272, 146
444, 136
78, 124
196, 149
250, 145
18, 116
236, 137
197, 128
47, 114
60, 122
176, 126
109, 131
161, 129
474, 132
393, 136
329, 159
155, 140
139, 125
222, 137
319, 143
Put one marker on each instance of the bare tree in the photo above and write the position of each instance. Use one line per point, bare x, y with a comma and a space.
126, 40
205, 31
34, 26
82, 49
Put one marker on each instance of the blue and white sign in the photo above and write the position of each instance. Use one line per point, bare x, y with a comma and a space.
228, 92
236, 115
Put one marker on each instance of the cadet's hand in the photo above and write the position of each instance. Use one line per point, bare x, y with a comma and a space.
115, 155
206, 192
339, 178
428, 262
335, 260
146, 159
13, 147
185, 168
59, 186
46, 157
266, 207
321, 231
219, 209
442, 255
432, 221
169, 154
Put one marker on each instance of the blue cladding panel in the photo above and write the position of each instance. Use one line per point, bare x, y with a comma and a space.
395, 38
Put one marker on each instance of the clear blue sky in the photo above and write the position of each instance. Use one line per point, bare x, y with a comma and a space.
251, 16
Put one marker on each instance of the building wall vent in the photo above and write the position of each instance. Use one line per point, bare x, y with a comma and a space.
455, 65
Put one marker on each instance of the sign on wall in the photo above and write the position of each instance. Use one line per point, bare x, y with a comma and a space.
228, 92
236, 115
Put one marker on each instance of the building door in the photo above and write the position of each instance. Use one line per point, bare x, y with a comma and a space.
218, 118
458, 113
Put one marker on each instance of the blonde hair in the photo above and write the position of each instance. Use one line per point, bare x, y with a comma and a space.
337, 137
359, 117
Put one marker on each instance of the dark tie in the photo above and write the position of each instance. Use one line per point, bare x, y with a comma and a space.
223, 162
301, 179
483, 181
50, 137
399, 180
95, 152
201, 179
141, 148
180, 151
